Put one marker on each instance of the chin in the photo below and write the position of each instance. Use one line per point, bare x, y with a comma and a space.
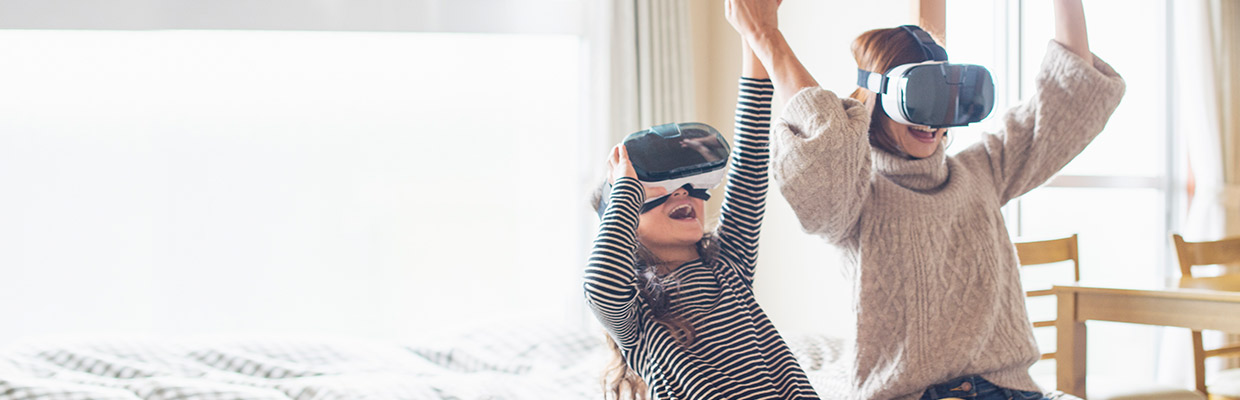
691, 237
921, 153
918, 149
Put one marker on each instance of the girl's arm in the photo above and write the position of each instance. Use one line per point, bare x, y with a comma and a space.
820, 151
744, 201
1076, 93
610, 277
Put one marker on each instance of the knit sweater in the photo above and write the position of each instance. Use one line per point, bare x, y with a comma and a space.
936, 283
737, 354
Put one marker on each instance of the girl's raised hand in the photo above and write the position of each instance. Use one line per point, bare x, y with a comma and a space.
619, 164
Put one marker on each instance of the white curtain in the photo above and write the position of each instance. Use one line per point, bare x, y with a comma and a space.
651, 81
1208, 116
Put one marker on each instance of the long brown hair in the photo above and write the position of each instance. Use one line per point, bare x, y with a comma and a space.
620, 381
880, 50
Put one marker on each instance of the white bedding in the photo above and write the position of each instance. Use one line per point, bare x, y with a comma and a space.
531, 363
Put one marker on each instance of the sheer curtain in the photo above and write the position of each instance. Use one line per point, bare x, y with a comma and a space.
1209, 109
651, 65
1208, 117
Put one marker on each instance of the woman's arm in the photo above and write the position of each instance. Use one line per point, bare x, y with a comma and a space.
1075, 96
610, 277
758, 26
744, 201
1070, 28
820, 151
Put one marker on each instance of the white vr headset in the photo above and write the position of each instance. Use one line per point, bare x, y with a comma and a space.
933, 93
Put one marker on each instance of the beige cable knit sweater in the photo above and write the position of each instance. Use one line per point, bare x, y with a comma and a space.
936, 280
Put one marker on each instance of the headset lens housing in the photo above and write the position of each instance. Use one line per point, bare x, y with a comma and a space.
676, 150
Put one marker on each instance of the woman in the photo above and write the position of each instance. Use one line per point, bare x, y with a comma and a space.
941, 309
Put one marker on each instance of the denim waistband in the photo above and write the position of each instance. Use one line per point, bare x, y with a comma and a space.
974, 387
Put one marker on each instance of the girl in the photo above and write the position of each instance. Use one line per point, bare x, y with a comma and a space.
678, 305
941, 311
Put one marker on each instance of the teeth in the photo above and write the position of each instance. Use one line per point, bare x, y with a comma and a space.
681, 211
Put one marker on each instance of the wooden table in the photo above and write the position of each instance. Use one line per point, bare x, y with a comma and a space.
1188, 308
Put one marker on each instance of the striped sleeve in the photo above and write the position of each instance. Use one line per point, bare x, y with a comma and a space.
744, 201
610, 279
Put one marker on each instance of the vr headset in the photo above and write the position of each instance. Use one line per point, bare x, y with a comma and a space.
673, 156
934, 93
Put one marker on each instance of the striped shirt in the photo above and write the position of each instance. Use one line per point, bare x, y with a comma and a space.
737, 353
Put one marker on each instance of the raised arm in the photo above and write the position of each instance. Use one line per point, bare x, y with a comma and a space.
610, 277
820, 152
1070, 28
744, 201
1075, 96
757, 23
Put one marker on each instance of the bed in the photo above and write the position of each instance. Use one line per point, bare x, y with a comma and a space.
536, 362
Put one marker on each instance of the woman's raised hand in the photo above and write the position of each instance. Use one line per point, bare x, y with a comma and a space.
756, 21
752, 18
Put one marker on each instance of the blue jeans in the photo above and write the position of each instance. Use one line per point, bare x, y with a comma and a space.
973, 387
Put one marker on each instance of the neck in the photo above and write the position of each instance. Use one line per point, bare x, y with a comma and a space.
671, 257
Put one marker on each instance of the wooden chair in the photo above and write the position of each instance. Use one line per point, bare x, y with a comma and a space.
1046, 252
1065, 249
1225, 251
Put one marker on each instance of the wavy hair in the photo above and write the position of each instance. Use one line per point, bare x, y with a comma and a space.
620, 380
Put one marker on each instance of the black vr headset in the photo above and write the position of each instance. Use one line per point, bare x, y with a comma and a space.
933, 93
689, 155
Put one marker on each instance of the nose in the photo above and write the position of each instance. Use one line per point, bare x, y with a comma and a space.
680, 193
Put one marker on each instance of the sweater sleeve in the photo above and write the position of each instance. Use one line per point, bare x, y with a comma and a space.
821, 161
1071, 105
610, 277
744, 200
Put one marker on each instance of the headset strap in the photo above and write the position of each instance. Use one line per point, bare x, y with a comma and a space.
603, 201
929, 48
873, 81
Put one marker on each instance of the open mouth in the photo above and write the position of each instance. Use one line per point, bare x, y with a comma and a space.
922, 133
682, 212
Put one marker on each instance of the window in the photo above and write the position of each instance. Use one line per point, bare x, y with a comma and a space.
362, 183
1116, 195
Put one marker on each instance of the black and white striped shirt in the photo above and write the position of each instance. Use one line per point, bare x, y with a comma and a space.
737, 353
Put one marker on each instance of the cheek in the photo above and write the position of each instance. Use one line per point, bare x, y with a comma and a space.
646, 224
896, 130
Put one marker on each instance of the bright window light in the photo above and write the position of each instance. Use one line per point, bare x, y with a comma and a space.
378, 184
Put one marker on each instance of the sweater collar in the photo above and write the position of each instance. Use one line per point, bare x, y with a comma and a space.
917, 174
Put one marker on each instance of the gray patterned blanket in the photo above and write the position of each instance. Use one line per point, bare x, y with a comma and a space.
531, 362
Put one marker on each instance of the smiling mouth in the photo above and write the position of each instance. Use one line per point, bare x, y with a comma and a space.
922, 133
682, 212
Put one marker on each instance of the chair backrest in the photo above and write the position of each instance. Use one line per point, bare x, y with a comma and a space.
1192, 254
1046, 252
